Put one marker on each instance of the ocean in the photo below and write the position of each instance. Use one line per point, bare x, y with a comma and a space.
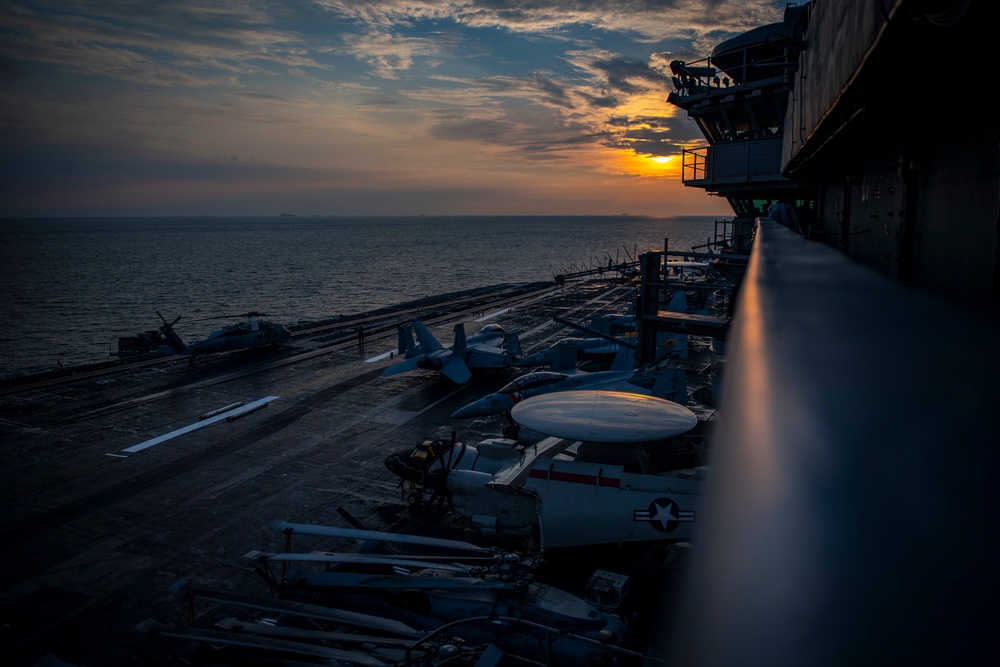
71, 286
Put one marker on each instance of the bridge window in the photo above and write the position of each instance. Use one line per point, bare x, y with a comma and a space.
769, 117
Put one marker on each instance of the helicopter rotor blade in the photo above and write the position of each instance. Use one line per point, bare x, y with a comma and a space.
171, 324
349, 533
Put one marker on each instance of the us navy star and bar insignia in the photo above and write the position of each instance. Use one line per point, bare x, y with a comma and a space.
663, 514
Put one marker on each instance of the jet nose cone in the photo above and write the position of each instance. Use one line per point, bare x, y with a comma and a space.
466, 412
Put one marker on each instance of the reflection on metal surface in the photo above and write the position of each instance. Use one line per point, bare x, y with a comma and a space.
847, 518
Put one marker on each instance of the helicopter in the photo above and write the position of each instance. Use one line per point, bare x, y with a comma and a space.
480, 595
255, 332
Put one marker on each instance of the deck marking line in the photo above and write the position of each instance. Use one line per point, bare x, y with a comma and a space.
247, 410
497, 313
192, 427
117, 456
231, 406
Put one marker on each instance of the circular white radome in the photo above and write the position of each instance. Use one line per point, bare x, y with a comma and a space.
603, 416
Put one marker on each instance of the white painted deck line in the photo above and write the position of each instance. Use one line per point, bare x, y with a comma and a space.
193, 427
497, 313
380, 357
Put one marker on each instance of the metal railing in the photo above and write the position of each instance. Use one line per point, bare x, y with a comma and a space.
733, 162
849, 516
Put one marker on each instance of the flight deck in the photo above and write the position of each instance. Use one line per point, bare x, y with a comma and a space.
116, 484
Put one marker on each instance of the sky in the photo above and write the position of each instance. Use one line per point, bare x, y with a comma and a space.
352, 107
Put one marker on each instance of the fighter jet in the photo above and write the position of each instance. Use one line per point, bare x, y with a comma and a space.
600, 352
662, 381
491, 347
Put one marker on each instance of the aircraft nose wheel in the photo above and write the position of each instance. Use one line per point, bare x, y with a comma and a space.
414, 498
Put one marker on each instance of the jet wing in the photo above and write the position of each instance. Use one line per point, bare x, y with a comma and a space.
404, 366
456, 370
516, 475
487, 356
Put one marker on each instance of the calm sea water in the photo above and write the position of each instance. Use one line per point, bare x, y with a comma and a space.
70, 287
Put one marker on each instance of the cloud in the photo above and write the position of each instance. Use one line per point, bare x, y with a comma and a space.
644, 19
156, 44
622, 73
388, 54
482, 91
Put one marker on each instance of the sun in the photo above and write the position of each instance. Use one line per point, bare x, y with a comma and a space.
647, 166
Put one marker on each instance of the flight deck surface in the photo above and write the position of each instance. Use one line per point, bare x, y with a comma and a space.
114, 488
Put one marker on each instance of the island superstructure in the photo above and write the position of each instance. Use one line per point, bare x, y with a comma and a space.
872, 118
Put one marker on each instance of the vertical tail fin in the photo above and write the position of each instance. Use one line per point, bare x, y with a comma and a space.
406, 346
512, 344
671, 384
428, 343
460, 343
625, 357
564, 355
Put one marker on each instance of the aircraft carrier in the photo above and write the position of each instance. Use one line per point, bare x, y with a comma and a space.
112, 492
850, 517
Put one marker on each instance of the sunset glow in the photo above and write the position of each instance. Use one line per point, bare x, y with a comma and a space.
383, 107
